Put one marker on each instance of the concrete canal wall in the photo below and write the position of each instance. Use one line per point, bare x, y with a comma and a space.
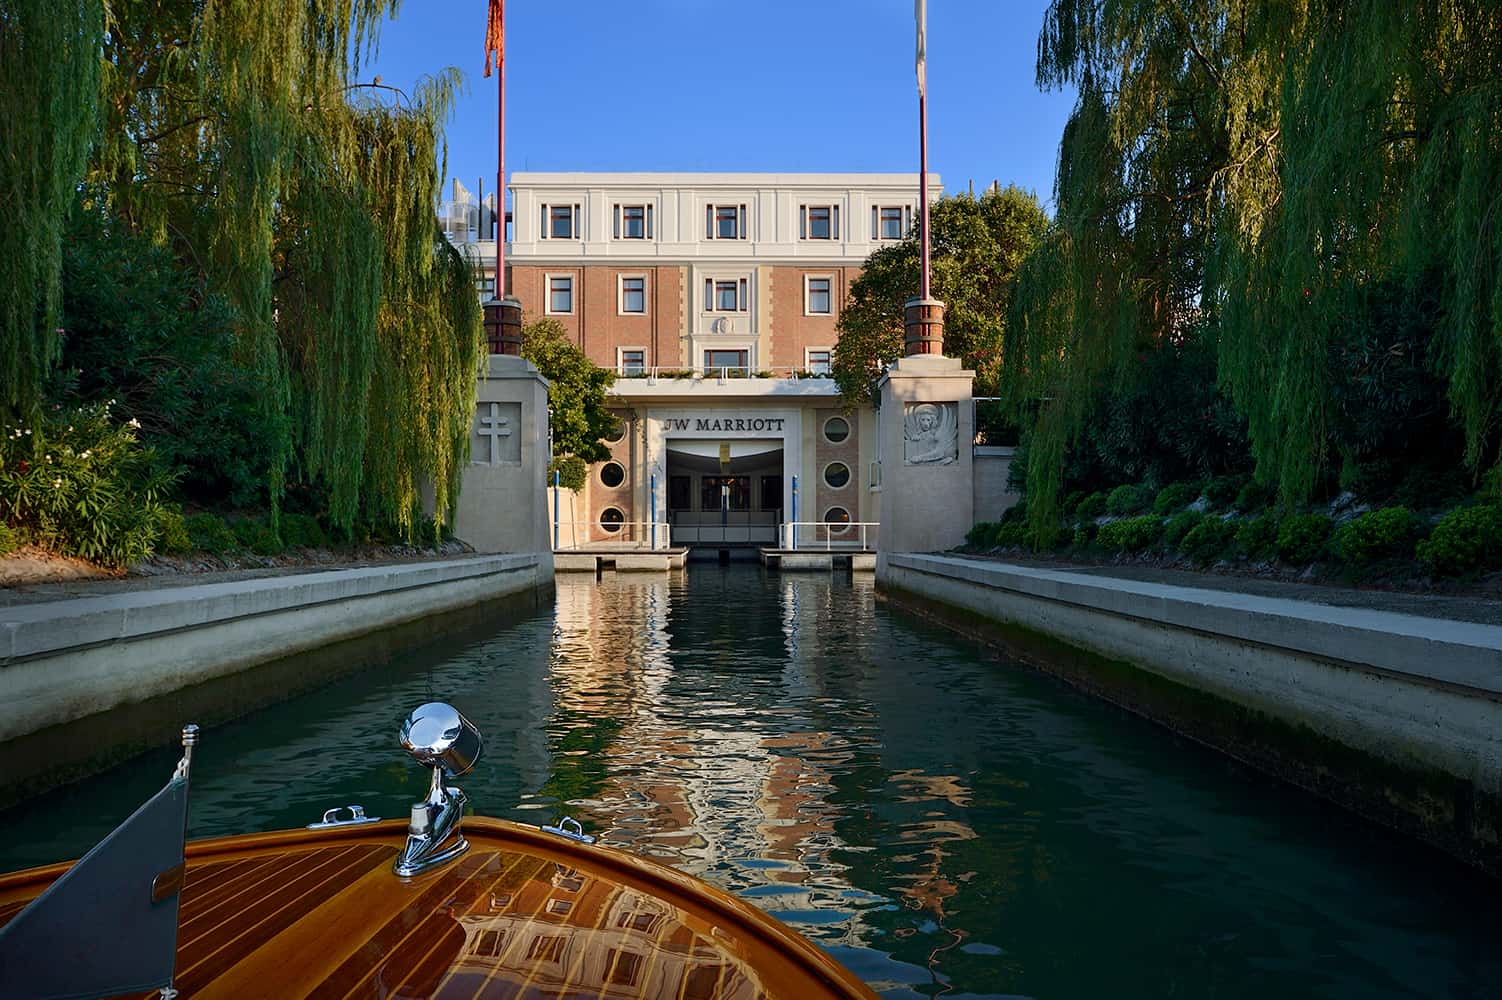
1395, 716
64, 660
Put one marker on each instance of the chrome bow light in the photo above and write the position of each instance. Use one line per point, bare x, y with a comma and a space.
437, 737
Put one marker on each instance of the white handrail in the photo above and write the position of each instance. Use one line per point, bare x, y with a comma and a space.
788, 533
722, 372
619, 531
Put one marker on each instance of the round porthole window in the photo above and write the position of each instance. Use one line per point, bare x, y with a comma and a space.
617, 433
611, 519
836, 429
839, 520
836, 475
612, 474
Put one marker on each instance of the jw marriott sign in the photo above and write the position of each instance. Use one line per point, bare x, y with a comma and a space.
724, 424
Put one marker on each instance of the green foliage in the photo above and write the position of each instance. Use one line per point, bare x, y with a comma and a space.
1084, 535
49, 96
1071, 506
978, 244
302, 531
571, 472
1388, 533
1092, 506
208, 533
256, 535
1257, 537
576, 393
174, 539
82, 484
1180, 525
140, 332
1465, 542
977, 535
1132, 534
1302, 537
1129, 499
1174, 497
1222, 491
1255, 496
10, 539
1208, 540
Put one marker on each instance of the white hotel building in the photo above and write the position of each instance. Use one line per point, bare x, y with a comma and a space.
714, 297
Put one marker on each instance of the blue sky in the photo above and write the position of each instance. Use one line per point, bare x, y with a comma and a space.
753, 85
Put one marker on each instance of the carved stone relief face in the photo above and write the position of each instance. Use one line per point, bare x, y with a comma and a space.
931, 433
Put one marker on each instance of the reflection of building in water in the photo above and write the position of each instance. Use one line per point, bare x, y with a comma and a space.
549, 930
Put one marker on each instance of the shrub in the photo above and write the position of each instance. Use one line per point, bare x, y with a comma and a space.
1175, 497
975, 537
1128, 500
1009, 535
10, 539
572, 472
1091, 507
1084, 535
264, 541
1072, 503
1222, 491
1257, 537
81, 484
1302, 538
1132, 534
208, 533
1255, 496
174, 533
1388, 533
1180, 525
302, 531
1465, 541
1207, 540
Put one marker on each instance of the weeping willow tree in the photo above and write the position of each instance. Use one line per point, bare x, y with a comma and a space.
235, 132
1247, 168
49, 84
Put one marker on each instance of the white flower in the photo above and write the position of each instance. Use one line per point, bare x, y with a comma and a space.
133, 423
86, 454
57, 483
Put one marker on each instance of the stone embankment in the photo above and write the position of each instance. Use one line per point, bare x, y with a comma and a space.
1396, 716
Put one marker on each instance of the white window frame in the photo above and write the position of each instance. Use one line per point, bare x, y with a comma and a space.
905, 227
804, 222
620, 294
808, 279
742, 283
618, 221
712, 219
620, 359
808, 364
576, 217
547, 292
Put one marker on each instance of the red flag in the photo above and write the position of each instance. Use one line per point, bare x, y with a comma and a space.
495, 34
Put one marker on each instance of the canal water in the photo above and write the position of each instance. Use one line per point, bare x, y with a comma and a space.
947, 823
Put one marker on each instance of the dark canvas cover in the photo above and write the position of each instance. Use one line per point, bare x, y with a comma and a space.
96, 931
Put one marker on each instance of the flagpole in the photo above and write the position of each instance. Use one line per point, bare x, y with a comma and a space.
500, 159
923, 287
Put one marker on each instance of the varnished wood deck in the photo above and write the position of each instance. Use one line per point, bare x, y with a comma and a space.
522, 914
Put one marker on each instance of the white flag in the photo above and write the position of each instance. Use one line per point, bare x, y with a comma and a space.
920, 11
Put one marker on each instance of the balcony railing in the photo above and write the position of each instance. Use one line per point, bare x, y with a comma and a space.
842, 536
721, 373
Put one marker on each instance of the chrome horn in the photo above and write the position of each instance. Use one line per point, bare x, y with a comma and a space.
438, 737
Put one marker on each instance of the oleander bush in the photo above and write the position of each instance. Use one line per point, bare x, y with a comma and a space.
1257, 537
1128, 499
1388, 533
10, 539
1302, 538
79, 483
1091, 507
1180, 525
1208, 540
1175, 496
1131, 534
1465, 542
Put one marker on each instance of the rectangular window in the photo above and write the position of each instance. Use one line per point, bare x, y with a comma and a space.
633, 361
819, 303
890, 222
680, 493
560, 222
625, 967
560, 295
820, 361
733, 491
633, 295
725, 294
725, 222
819, 222
633, 222
771, 492
735, 361
545, 949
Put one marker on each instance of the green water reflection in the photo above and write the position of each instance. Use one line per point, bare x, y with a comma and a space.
945, 822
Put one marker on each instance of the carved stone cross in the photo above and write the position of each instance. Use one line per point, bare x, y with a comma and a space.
494, 428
